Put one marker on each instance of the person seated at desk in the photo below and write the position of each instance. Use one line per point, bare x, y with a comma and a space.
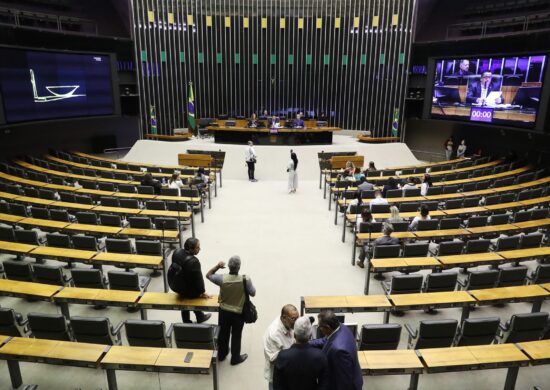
264, 115
391, 185
378, 199
372, 167
149, 181
298, 122
253, 121
478, 92
386, 239
410, 185
394, 215
365, 185
424, 216
274, 123
176, 182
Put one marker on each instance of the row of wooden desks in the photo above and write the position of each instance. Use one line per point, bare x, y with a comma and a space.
114, 210
97, 259
423, 301
105, 357
440, 360
102, 297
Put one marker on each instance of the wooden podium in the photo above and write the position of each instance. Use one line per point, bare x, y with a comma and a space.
338, 162
195, 160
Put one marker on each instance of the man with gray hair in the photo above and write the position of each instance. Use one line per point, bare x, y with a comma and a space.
231, 299
386, 239
302, 366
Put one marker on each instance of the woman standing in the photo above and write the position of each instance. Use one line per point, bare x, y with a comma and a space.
461, 150
292, 173
448, 148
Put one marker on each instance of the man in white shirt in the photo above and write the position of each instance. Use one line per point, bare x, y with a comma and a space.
377, 199
278, 336
250, 158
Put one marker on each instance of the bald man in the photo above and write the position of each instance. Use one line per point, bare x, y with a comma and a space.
278, 336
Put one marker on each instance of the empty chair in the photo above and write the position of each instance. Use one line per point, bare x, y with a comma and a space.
453, 204
403, 284
95, 330
18, 209
87, 184
147, 190
541, 274
195, 336
146, 333
508, 198
118, 245
468, 187
4, 207
483, 185
155, 205
77, 171
183, 206
60, 215
106, 174
46, 194
386, 251
109, 201
432, 334
110, 220
522, 216
11, 323
127, 188
478, 280
50, 274
411, 192
453, 189
13, 189
409, 206
67, 197
83, 199
450, 223
400, 226
512, 276
40, 212
380, 208
127, 280
170, 191
427, 224
440, 281
27, 237
471, 202
129, 203
532, 240
49, 326
394, 193
18, 270
367, 194
524, 195
416, 249
86, 217
477, 331
434, 190
524, 327
88, 278
432, 205
103, 186
449, 248
539, 213
58, 240
477, 246
121, 176
7, 234
499, 219
477, 221
31, 192
148, 248
373, 227
140, 222
379, 337
492, 199
507, 243
87, 243
166, 223
525, 178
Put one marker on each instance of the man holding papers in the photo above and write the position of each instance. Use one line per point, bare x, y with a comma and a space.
484, 93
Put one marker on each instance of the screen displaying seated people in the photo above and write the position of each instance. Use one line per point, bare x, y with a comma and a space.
490, 90
39, 85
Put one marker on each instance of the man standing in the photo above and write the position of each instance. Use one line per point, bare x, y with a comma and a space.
250, 158
277, 337
231, 299
340, 349
301, 367
190, 277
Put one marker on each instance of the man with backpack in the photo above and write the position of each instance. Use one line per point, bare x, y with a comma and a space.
185, 277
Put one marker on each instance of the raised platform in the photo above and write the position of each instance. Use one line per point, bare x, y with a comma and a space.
376, 140
267, 136
172, 138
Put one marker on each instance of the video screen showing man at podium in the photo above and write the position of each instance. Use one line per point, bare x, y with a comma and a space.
496, 90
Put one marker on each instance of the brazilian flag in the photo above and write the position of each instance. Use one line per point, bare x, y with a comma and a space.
395, 123
191, 123
153, 120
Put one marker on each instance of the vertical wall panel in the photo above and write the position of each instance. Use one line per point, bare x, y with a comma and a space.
244, 56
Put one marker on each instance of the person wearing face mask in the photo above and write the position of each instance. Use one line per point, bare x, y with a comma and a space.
190, 275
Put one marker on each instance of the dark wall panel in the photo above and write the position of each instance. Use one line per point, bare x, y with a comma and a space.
348, 58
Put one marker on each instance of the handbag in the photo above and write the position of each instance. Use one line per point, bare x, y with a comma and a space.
250, 314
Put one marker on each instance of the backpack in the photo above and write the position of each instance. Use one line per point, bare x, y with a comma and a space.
175, 276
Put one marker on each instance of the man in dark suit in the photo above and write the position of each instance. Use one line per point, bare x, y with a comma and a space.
302, 366
478, 92
341, 350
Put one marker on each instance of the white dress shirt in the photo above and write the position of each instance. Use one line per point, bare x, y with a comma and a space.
276, 338
378, 200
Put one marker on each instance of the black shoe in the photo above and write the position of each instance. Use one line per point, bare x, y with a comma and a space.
203, 318
221, 359
240, 359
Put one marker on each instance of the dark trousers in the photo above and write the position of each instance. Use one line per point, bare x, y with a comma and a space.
186, 315
250, 169
231, 324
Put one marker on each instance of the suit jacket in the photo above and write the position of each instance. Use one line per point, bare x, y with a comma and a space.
343, 364
193, 283
301, 367
366, 186
474, 92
